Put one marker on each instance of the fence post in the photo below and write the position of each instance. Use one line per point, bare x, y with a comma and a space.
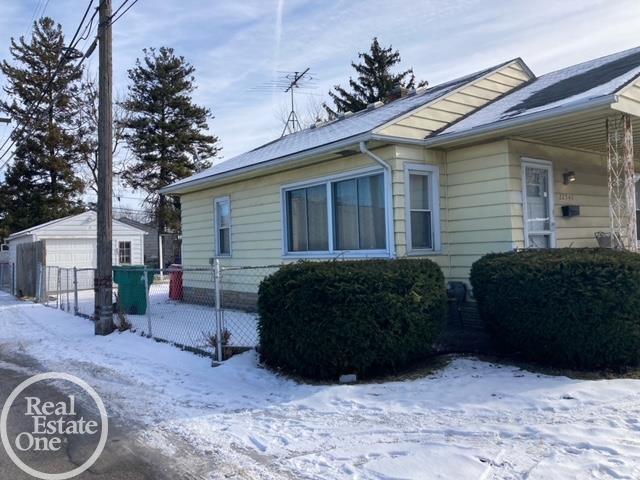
217, 284
146, 292
13, 279
59, 291
75, 290
66, 288
39, 282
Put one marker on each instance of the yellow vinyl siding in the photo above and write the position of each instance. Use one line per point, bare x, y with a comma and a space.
256, 216
589, 191
436, 116
480, 203
475, 216
478, 218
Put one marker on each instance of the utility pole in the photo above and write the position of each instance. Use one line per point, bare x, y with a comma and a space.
103, 284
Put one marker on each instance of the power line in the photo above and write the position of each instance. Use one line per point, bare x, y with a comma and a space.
45, 91
117, 10
128, 8
36, 15
85, 35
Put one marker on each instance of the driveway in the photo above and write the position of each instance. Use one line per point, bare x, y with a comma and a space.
127, 455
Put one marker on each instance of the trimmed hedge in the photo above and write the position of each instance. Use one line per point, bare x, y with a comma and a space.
324, 319
563, 307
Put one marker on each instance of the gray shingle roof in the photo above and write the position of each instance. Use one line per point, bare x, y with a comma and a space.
335, 131
578, 83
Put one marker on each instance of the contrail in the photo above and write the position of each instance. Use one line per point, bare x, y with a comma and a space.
276, 59
279, 11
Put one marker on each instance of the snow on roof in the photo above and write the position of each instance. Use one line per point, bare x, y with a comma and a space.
334, 131
578, 83
91, 217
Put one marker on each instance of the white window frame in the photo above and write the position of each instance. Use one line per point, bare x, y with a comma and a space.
217, 226
120, 243
328, 181
433, 173
546, 164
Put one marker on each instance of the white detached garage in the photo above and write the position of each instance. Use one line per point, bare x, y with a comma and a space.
71, 242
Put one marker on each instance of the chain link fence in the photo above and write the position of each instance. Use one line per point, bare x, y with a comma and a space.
69, 289
210, 310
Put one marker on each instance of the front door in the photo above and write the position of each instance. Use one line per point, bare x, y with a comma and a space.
537, 194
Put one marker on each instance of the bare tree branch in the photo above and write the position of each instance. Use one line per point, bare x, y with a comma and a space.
309, 111
88, 106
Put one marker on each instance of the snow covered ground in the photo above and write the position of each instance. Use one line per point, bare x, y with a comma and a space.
470, 420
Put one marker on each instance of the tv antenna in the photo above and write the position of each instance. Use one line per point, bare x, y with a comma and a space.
293, 123
289, 82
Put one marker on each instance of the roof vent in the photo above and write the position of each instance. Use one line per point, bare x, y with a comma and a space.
348, 113
398, 92
373, 106
422, 89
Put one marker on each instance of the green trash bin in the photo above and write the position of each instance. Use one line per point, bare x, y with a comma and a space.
131, 289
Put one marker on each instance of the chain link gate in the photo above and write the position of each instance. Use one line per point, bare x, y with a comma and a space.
209, 310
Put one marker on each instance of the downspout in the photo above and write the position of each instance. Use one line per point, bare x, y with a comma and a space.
388, 198
448, 211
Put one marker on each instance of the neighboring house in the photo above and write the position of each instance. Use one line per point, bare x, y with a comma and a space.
170, 244
67, 242
484, 163
71, 242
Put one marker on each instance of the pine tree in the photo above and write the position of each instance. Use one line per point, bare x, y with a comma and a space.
375, 81
41, 184
165, 130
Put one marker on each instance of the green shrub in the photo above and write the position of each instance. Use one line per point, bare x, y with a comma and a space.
564, 307
324, 319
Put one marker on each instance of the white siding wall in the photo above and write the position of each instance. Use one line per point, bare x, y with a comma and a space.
137, 248
72, 242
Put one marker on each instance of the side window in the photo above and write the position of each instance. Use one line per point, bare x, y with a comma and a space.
423, 207
223, 226
124, 253
307, 226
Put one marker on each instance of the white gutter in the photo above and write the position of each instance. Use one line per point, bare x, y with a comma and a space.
351, 141
388, 198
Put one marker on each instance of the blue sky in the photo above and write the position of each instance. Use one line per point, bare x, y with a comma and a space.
237, 45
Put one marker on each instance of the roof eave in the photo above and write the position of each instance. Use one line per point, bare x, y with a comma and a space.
211, 180
494, 70
442, 140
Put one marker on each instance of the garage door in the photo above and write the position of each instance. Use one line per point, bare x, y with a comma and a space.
73, 252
